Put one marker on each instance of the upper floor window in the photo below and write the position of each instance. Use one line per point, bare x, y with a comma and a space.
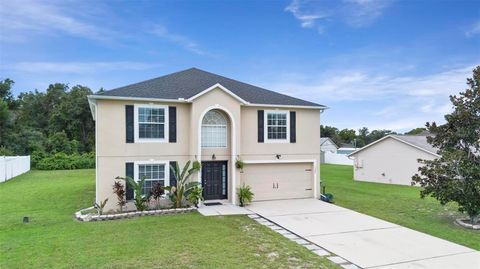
151, 123
214, 130
276, 126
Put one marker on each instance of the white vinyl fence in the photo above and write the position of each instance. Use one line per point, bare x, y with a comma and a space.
12, 166
335, 158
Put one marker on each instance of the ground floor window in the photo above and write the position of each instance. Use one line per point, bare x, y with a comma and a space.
153, 173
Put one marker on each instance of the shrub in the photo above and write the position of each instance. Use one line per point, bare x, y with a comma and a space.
140, 200
184, 187
119, 190
156, 193
101, 206
62, 161
195, 195
4, 151
245, 195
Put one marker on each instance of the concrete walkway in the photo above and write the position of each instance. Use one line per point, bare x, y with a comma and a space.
222, 210
365, 241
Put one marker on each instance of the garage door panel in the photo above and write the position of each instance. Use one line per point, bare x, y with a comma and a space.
293, 180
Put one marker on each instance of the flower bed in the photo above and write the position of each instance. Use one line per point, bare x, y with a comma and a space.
467, 224
82, 215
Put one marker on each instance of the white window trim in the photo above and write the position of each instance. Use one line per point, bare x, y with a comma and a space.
136, 124
216, 125
265, 126
167, 171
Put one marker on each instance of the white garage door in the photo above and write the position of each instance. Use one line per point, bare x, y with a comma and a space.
279, 181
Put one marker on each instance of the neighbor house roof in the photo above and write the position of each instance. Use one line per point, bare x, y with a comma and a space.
325, 139
417, 141
191, 83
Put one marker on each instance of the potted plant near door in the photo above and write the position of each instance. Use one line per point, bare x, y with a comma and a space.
239, 164
245, 195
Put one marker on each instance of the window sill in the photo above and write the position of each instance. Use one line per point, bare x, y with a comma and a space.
143, 140
279, 141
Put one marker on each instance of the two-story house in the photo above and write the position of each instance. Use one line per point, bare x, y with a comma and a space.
195, 115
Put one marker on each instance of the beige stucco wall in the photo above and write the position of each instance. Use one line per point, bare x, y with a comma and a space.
113, 152
222, 101
389, 161
305, 148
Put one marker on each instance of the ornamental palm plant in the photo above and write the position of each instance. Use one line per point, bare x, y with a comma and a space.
140, 199
183, 187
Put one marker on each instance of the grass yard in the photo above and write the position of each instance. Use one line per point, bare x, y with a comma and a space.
398, 204
53, 239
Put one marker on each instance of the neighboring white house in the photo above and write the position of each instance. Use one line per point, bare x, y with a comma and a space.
327, 144
346, 149
392, 159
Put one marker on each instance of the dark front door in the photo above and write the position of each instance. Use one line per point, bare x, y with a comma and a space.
214, 180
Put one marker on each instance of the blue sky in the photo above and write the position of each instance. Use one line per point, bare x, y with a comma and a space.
380, 64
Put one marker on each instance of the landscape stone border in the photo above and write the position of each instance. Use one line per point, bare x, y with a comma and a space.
304, 242
465, 223
95, 217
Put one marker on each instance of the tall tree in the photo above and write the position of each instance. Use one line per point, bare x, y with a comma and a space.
73, 117
347, 135
332, 132
455, 176
6, 93
415, 131
362, 138
377, 134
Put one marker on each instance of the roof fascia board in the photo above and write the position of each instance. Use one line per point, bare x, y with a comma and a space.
126, 98
218, 85
189, 100
92, 103
286, 106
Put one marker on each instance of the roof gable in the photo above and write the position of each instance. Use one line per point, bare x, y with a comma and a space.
410, 140
217, 86
326, 141
190, 83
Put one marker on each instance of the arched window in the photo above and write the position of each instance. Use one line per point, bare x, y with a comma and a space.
214, 130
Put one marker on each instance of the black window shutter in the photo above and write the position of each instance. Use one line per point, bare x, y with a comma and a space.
129, 173
172, 124
173, 180
293, 130
260, 126
129, 123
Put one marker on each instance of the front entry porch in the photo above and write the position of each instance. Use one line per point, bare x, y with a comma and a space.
225, 208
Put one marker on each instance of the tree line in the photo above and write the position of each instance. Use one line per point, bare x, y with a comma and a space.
45, 123
361, 137
58, 120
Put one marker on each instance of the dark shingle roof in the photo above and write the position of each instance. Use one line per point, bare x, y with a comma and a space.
188, 83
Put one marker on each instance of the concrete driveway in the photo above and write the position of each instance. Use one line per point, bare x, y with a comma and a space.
365, 241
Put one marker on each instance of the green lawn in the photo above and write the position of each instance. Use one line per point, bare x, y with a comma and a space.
54, 239
397, 204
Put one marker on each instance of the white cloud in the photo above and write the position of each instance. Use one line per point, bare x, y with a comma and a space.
79, 67
183, 41
473, 30
364, 85
366, 98
20, 19
356, 13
